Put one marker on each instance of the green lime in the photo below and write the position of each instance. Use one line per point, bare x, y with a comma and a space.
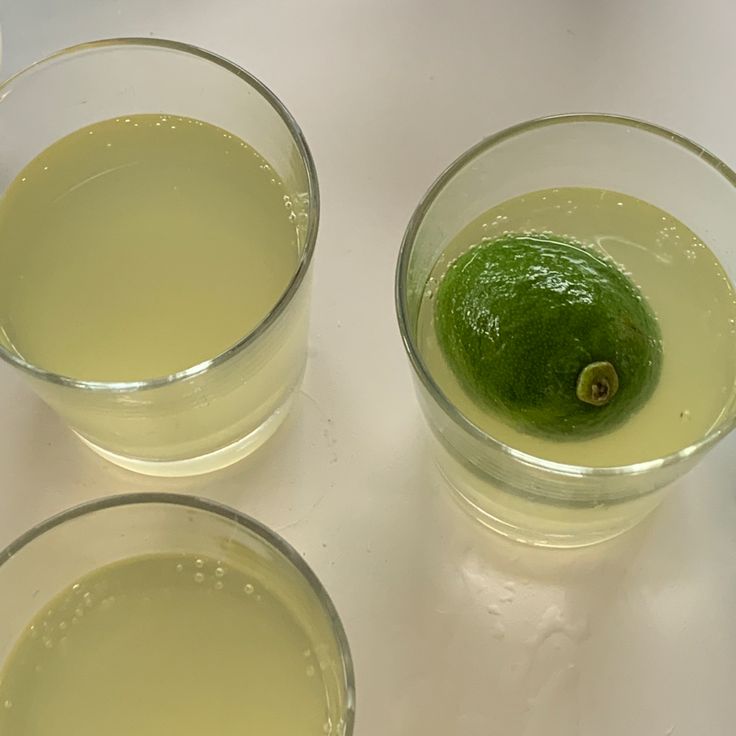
548, 334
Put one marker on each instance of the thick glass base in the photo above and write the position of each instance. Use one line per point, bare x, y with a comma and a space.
207, 463
535, 521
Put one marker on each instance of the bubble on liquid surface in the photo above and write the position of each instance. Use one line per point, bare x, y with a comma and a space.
219, 585
248, 589
180, 567
199, 563
219, 572
198, 577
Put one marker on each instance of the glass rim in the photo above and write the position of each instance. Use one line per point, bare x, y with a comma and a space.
312, 225
422, 371
244, 521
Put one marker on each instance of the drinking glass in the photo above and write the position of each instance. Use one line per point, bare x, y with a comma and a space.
52, 556
524, 497
210, 414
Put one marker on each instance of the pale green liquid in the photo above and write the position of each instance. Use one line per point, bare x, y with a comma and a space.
141, 246
167, 646
681, 278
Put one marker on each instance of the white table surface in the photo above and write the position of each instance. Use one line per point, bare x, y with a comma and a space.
453, 630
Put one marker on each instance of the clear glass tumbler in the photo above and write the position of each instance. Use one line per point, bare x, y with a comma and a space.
528, 498
213, 413
52, 556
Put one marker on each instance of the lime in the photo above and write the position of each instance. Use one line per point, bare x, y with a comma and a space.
548, 334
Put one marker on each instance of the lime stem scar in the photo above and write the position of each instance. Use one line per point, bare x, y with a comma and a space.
597, 383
